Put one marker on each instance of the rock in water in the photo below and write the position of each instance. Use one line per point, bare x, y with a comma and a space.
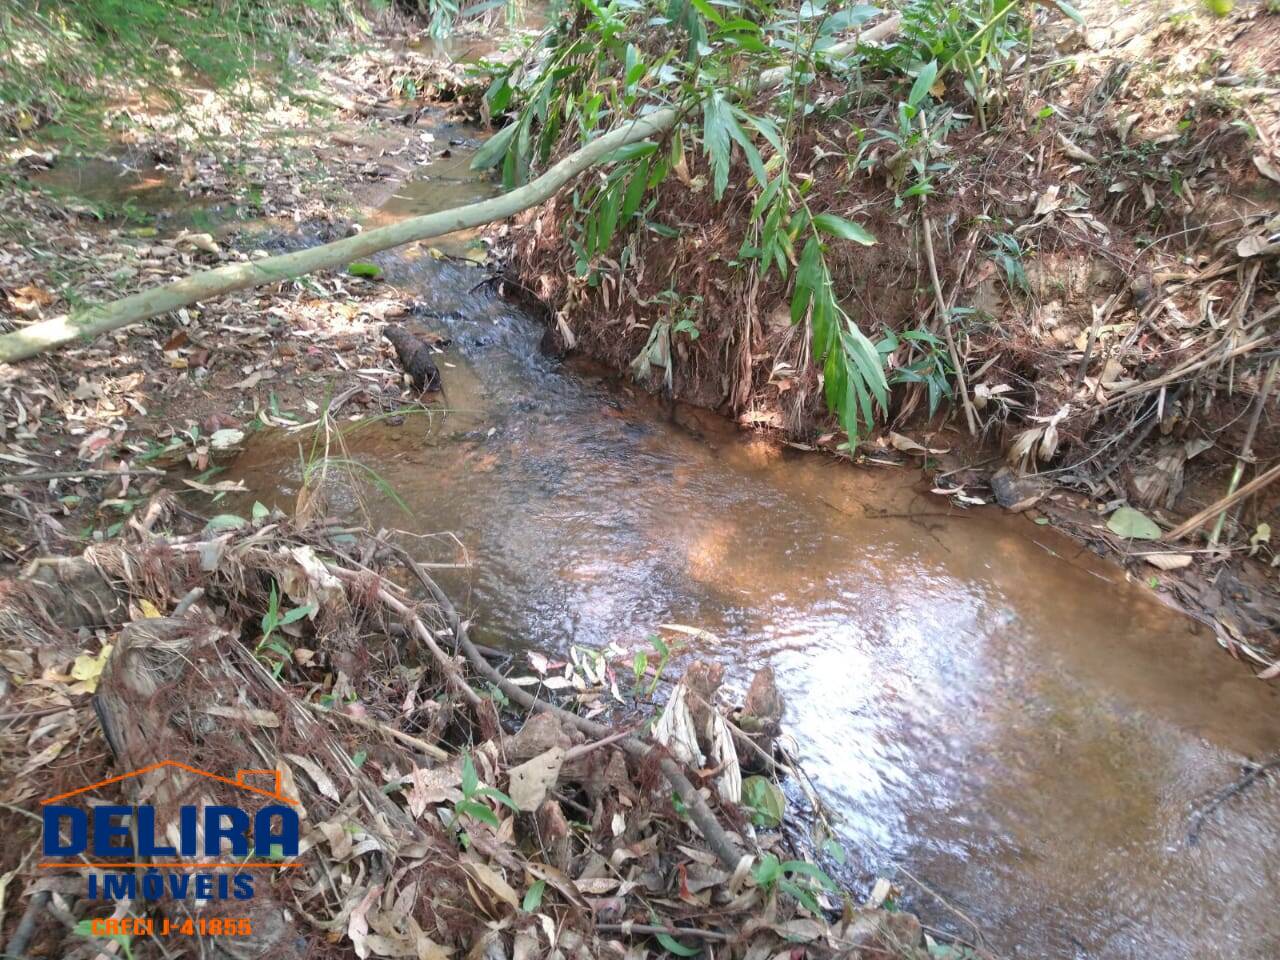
415, 357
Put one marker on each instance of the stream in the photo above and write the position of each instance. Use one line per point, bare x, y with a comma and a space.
990, 709
983, 702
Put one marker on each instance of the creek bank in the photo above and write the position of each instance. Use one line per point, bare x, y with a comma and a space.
1106, 255
437, 819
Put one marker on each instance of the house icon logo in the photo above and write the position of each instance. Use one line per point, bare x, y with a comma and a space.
210, 845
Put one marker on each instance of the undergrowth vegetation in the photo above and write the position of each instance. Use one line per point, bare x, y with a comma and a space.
60, 62
747, 83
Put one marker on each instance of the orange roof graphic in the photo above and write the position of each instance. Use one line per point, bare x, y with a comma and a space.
238, 783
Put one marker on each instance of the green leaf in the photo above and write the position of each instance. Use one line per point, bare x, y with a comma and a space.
834, 850
767, 871
476, 811
470, 780
804, 896
805, 868
260, 511
766, 802
630, 151
847, 19
672, 945
494, 149
708, 11
224, 521
1133, 524
835, 226
640, 665
297, 613
920, 89
715, 141
370, 271
1069, 11
533, 897
497, 795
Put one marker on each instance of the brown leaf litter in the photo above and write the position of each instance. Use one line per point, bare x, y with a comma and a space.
408, 847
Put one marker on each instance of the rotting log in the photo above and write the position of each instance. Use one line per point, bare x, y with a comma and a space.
209, 284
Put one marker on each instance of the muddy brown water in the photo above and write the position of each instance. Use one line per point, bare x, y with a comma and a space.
987, 706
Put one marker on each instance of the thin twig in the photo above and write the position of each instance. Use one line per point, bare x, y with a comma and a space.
944, 314
1246, 450
1226, 793
650, 929
69, 474
430, 749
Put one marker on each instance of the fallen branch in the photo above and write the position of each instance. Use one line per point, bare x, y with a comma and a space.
59, 331
94, 321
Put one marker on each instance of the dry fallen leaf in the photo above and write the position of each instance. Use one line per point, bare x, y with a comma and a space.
532, 779
1168, 561
88, 670
484, 874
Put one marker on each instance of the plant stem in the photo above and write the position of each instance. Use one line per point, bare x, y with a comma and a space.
1246, 451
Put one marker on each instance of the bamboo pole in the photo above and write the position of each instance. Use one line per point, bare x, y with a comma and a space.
94, 321
59, 331
1226, 503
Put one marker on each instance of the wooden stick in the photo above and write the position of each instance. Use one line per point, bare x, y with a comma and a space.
1246, 450
1248, 490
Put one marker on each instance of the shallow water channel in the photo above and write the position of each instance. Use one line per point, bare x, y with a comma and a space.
985, 704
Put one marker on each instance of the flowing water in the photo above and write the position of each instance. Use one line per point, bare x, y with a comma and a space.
989, 709
986, 705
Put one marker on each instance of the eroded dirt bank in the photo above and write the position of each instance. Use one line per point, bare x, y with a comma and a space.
1106, 252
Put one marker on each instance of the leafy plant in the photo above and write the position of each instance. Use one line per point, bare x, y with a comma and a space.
640, 664
272, 621
470, 805
572, 92
799, 878
85, 929
764, 800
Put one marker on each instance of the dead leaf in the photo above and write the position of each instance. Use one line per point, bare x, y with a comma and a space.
28, 299
532, 779
1168, 561
358, 924
88, 669
1252, 245
484, 874
436, 785
1267, 168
